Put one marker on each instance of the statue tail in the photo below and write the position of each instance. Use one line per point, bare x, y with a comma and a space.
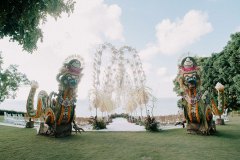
219, 108
41, 101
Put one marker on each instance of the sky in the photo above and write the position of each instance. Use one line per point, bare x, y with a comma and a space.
163, 31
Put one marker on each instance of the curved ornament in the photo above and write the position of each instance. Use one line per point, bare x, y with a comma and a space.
116, 80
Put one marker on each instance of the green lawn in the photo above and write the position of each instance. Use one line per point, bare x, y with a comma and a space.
174, 144
1, 118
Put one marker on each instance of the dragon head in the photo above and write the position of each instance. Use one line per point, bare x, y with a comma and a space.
189, 76
71, 73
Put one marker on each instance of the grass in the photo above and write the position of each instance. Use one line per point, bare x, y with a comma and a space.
16, 143
1, 118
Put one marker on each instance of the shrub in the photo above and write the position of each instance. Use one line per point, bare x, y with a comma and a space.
122, 115
140, 123
151, 124
132, 120
98, 123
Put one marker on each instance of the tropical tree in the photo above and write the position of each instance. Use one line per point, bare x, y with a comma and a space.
20, 19
223, 67
10, 81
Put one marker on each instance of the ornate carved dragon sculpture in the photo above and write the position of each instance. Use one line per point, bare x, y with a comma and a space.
198, 108
56, 111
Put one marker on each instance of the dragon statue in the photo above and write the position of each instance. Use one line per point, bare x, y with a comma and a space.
56, 111
198, 108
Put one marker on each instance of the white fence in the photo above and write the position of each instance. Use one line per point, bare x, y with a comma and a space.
16, 119
19, 119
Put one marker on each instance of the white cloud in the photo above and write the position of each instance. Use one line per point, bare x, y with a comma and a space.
173, 36
165, 82
162, 71
93, 22
147, 67
161, 82
237, 29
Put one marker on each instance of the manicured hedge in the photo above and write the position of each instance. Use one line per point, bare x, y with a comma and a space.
11, 112
122, 115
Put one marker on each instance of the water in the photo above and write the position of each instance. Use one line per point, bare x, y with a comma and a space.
164, 106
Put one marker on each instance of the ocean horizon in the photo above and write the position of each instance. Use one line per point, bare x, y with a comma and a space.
164, 106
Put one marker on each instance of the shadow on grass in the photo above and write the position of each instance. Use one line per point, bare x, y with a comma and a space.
227, 135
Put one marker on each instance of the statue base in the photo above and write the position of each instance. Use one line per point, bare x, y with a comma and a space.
193, 128
196, 128
63, 130
60, 130
43, 129
220, 121
30, 124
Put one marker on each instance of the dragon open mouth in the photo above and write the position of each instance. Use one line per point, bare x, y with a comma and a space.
191, 85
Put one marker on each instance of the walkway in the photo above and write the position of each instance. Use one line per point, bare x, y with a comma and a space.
121, 124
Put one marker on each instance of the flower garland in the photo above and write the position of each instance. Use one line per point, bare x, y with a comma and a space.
208, 112
39, 108
65, 103
193, 101
190, 108
215, 109
51, 115
69, 114
197, 113
62, 109
61, 116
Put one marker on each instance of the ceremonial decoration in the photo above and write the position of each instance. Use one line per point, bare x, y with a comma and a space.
56, 111
118, 80
198, 108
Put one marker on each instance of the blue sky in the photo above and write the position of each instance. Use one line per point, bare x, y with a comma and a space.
139, 18
162, 31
